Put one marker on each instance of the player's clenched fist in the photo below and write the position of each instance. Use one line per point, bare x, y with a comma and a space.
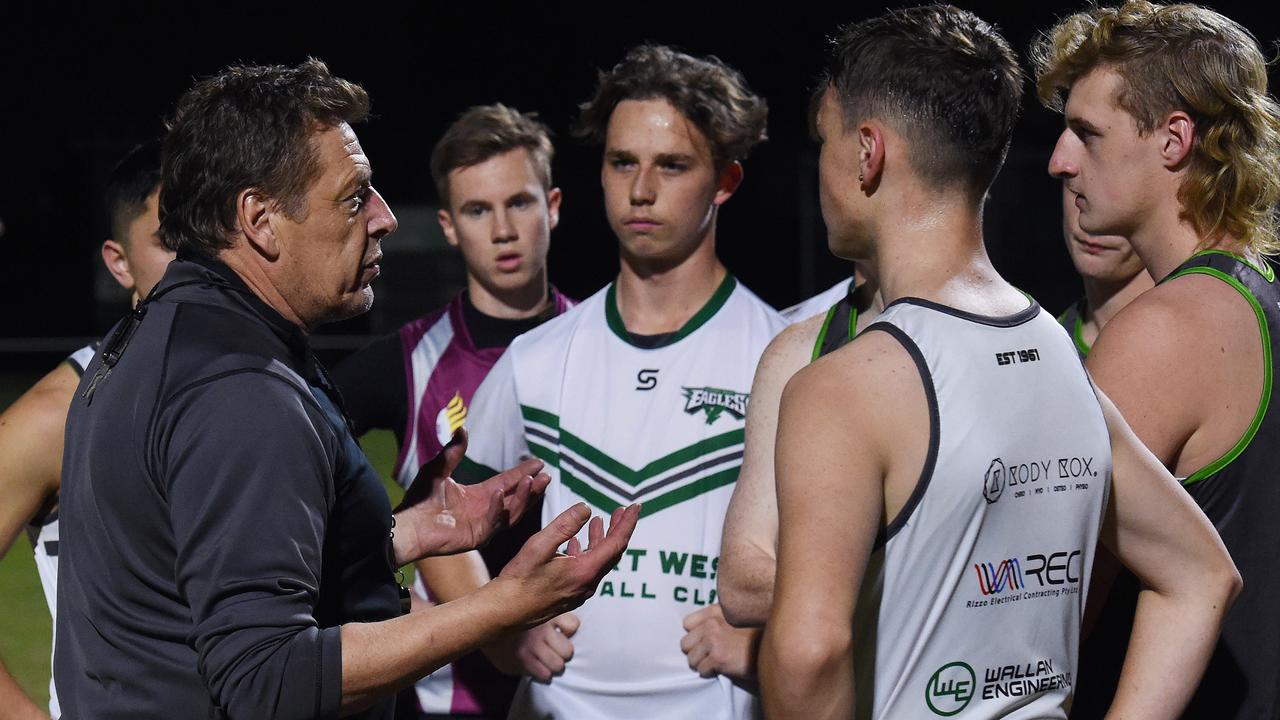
546, 583
714, 647
540, 652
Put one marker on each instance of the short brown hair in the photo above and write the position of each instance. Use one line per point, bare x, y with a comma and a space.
943, 76
485, 131
1189, 58
249, 126
710, 94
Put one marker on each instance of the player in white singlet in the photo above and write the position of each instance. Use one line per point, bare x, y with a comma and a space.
31, 429
937, 565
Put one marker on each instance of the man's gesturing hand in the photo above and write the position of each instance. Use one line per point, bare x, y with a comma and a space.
440, 517
545, 583
714, 647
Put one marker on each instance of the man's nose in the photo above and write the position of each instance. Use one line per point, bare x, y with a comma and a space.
381, 220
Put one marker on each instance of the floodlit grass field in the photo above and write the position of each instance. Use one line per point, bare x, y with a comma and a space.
25, 626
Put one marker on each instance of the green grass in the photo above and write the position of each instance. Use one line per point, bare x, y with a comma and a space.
25, 625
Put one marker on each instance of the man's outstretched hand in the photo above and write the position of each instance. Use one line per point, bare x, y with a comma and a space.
441, 517
543, 583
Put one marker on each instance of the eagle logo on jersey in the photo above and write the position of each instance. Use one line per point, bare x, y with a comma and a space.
450, 418
715, 401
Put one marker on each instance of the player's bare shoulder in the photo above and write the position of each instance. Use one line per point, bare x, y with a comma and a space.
43, 408
873, 370
1175, 325
31, 431
791, 349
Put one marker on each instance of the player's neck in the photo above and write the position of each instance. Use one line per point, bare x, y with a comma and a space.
1104, 299
514, 304
1167, 240
653, 301
940, 256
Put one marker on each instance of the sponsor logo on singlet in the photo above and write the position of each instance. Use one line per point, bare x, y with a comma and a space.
954, 685
450, 418
950, 689
1037, 477
1033, 576
993, 482
1030, 678
715, 401
994, 579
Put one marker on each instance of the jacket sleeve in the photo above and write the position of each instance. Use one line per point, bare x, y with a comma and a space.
247, 463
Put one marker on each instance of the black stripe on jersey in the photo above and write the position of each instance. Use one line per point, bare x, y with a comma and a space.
632, 496
1013, 320
931, 459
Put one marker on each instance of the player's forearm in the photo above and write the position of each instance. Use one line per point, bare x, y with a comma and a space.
453, 576
380, 658
806, 672
745, 585
14, 702
1173, 638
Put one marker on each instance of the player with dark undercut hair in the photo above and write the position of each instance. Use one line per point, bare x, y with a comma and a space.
944, 478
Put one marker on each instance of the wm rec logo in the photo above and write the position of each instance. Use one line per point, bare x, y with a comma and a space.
950, 689
715, 401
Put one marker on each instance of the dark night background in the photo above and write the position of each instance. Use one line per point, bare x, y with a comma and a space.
82, 86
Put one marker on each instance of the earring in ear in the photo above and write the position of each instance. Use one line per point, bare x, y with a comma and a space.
859, 177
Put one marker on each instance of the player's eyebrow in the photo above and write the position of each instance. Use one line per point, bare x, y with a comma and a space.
1077, 123
675, 157
614, 154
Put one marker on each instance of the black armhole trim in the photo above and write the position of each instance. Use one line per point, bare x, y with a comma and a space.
931, 458
1013, 320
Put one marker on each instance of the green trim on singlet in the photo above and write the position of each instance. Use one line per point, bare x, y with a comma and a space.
826, 324
1265, 401
822, 334
614, 318
1265, 271
1077, 335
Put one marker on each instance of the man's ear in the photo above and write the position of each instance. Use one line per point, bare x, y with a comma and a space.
254, 212
446, 225
1179, 134
870, 156
554, 196
117, 262
727, 185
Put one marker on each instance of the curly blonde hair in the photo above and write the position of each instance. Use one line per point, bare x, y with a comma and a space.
1184, 57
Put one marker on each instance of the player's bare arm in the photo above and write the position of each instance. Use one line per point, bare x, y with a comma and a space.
833, 498
748, 551
30, 467
1158, 532
1178, 363
537, 585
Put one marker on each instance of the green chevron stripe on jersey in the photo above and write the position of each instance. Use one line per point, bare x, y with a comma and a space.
608, 483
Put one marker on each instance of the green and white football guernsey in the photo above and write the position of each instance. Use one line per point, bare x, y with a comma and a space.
619, 423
